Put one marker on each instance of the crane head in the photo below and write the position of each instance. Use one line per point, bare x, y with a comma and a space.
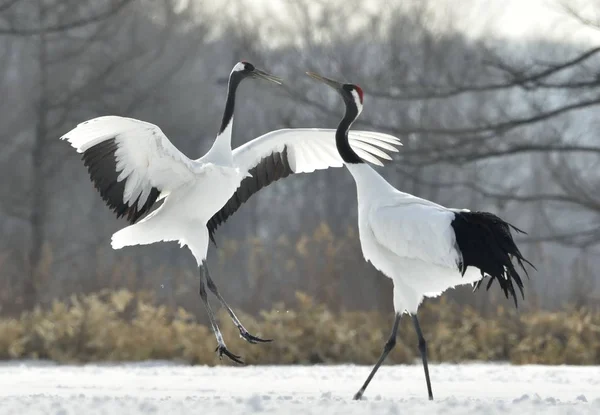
244, 69
351, 93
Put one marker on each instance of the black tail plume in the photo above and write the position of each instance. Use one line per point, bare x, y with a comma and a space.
485, 242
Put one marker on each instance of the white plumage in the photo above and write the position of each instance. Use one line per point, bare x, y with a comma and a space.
133, 164
408, 239
146, 159
423, 247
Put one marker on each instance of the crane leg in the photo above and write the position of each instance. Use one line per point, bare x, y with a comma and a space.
243, 332
423, 350
389, 345
221, 348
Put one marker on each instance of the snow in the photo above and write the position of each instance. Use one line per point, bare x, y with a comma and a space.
165, 388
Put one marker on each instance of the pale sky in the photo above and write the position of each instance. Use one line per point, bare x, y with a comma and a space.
532, 18
503, 18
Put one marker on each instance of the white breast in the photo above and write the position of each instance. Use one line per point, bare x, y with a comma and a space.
202, 199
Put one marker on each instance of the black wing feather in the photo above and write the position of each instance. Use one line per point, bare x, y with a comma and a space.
102, 167
270, 169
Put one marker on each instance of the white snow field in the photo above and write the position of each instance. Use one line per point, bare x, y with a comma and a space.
28, 388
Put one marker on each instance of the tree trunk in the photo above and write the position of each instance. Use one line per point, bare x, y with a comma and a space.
30, 288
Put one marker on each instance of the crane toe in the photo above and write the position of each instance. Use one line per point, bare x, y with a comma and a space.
222, 350
253, 339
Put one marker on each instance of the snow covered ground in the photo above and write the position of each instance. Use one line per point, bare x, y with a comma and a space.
163, 388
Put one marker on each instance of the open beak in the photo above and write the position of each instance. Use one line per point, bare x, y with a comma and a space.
264, 75
330, 82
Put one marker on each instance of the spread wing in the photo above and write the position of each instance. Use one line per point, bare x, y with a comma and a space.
280, 153
130, 162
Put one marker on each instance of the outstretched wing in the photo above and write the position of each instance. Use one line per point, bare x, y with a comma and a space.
280, 153
130, 162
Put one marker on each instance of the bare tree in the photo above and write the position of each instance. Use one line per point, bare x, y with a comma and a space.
507, 129
115, 62
67, 15
460, 105
483, 127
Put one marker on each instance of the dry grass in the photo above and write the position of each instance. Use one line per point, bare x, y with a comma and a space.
252, 273
123, 326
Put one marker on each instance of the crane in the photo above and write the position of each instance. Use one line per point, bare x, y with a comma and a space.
423, 247
133, 165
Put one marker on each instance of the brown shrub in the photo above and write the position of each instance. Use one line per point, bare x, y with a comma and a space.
123, 326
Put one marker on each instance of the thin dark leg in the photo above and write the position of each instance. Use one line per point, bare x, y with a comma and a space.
243, 332
389, 345
423, 350
221, 348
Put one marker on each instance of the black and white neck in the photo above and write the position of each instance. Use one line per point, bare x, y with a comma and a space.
369, 184
221, 148
353, 97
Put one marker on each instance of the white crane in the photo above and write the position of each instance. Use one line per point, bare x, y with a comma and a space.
133, 165
423, 247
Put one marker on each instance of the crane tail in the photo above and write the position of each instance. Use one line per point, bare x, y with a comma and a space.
142, 233
157, 228
486, 243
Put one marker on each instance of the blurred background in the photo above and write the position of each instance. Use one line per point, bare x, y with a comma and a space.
497, 104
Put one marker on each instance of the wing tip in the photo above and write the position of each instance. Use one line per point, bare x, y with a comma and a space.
377, 162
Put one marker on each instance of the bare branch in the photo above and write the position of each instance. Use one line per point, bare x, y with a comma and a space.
482, 190
496, 128
75, 24
572, 12
579, 239
462, 155
7, 5
410, 92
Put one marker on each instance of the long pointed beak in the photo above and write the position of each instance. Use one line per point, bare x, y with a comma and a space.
330, 82
264, 75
